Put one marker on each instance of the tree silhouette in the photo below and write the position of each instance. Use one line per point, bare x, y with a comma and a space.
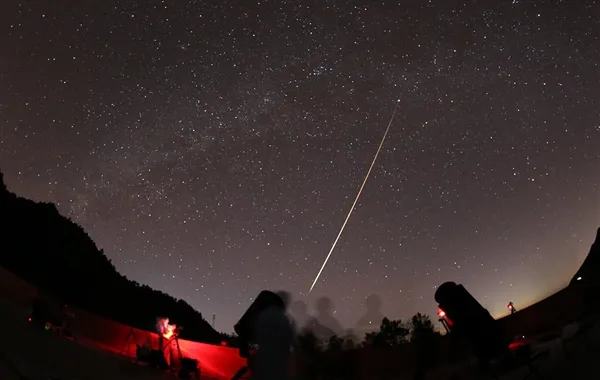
309, 343
232, 340
335, 344
309, 354
349, 339
422, 328
424, 339
55, 254
391, 334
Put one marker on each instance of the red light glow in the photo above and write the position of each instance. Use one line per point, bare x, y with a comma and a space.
441, 313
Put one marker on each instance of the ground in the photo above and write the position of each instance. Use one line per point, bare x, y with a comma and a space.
38, 354
577, 361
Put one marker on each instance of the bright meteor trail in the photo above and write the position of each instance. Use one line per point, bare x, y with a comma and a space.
355, 201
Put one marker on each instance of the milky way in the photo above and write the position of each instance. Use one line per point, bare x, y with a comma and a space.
213, 149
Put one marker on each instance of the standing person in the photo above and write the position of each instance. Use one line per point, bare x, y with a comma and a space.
300, 318
275, 337
165, 334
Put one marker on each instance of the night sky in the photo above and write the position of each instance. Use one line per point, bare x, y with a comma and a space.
214, 148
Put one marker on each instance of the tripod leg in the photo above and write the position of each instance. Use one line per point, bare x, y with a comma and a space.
129, 336
164, 346
178, 349
241, 372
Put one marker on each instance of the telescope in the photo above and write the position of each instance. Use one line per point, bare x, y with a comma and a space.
245, 327
470, 319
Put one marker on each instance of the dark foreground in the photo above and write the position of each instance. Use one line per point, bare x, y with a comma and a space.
572, 356
40, 355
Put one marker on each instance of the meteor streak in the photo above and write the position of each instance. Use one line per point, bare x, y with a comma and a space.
355, 201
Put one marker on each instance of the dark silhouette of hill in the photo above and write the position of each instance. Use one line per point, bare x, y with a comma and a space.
577, 301
55, 254
590, 268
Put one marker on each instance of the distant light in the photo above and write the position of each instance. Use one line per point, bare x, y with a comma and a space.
578, 278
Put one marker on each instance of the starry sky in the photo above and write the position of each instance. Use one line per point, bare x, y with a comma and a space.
214, 148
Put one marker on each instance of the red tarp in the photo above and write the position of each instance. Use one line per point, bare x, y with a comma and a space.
217, 361
92, 330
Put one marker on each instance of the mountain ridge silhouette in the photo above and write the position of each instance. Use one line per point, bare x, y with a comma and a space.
590, 268
56, 255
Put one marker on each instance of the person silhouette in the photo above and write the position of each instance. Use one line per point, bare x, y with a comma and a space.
371, 320
300, 316
275, 338
324, 324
